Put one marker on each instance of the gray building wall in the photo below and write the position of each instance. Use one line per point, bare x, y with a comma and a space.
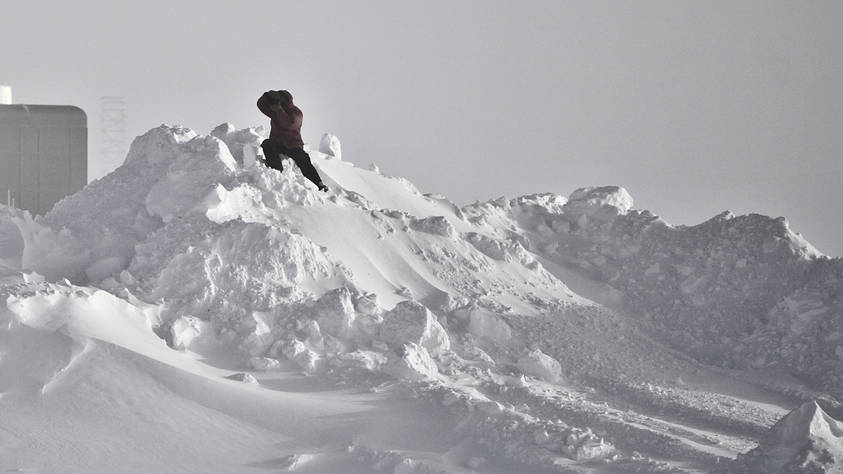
43, 154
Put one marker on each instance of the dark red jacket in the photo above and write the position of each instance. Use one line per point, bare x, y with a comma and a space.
285, 122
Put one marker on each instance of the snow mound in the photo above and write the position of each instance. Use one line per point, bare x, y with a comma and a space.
541, 365
412, 322
806, 440
240, 143
734, 291
599, 200
193, 253
330, 146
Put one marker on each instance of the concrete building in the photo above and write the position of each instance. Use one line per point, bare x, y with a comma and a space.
43, 153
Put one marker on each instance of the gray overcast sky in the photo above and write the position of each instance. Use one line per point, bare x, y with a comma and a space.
695, 107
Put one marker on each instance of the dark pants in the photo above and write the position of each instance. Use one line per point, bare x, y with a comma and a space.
275, 153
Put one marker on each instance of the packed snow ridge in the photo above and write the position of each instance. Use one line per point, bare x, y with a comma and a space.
193, 290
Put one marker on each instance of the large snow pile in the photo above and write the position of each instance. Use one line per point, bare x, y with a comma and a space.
523, 329
741, 291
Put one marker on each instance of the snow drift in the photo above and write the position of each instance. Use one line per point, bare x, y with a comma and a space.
526, 327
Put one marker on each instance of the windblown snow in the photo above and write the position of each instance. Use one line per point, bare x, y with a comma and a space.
195, 311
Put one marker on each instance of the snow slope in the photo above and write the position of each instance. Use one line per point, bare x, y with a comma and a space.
194, 311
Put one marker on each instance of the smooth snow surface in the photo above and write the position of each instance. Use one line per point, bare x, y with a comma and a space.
195, 311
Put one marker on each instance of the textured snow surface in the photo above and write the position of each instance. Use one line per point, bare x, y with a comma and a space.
807, 440
195, 311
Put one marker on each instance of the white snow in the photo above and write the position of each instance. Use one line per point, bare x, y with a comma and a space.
806, 440
541, 365
611, 199
195, 311
329, 145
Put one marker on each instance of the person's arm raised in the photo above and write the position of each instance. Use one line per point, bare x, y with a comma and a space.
263, 104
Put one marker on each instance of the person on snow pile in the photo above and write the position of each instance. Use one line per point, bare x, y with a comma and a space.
285, 135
